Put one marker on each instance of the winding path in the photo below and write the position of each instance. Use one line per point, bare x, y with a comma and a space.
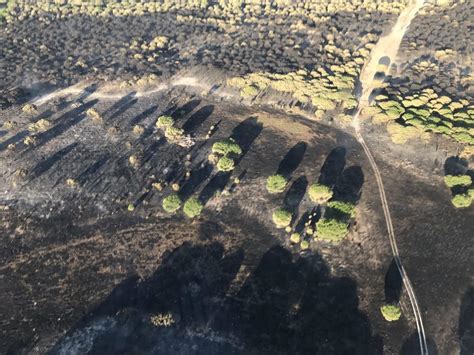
388, 46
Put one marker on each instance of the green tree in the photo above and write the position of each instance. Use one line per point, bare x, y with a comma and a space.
331, 230
281, 218
319, 193
174, 133
276, 184
171, 203
164, 122
192, 207
225, 164
391, 312
227, 147
457, 180
461, 200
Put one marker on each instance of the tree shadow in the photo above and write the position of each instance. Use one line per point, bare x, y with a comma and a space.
14, 139
295, 194
455, 166
94, 168
197, 118
285, 305
292, 160
245, 133
349, 184
216, 185
393, 284
333, 167
466, 323
186, 109
87, 91
66, 121
120, 104
48, 163
198, 176
140, 117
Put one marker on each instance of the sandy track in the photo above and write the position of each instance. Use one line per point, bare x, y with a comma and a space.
388, 46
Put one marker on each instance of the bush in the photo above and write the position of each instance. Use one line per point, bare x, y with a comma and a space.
282, 218
304, 245
458, 180
226, 147
276, 184
192, 207
173, 133
171, 203
341, 209
319, 193
225, 164
295, 238
462, 200
331, 230
391, 312
164, 122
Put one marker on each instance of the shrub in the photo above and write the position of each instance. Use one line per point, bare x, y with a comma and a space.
225, 164
341, 209
226, 147
164, 122
458, 180
461, 200
331, 230
173, 133
319, 193
391, 312
282, 218
304, 245
192, 207
295, 238
276, 184
171, 203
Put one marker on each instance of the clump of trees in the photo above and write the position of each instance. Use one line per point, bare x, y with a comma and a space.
276, 184
391, 312
282, 218
224, 152
171, 203
192, 207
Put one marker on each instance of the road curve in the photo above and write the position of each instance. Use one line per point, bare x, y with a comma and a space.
388, 46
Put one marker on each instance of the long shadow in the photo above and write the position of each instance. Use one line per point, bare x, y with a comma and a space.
198, 118
393, 284
3, 133
48, 163
198, 176
217, 184
466, 323
14, 139
292, 160
245, 133
295, 194
66, 121
186, 109
285, 306
93, 169
140, 117
122, 109
333, 167
124, 101
455, 166
87, 91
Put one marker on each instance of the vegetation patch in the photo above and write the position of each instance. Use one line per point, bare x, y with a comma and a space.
192, 207
171, 203
276, 184
225, 164
391, 312
282, 218
319, 193
164, 122
457, 180
331, 229
462, 200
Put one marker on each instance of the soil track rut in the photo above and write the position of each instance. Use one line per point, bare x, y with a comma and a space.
387, 47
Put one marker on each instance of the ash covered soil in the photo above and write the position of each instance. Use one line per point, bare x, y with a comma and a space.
81, 273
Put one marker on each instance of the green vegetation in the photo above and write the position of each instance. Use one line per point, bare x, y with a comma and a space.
192, 207
225, 164
304, 245
226, 147
164, 122
457, 180
319, 193
276, 184
174, 133
295, 238
282, 218
341, 210
391, 312
331, 229
462, 200
171, 203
